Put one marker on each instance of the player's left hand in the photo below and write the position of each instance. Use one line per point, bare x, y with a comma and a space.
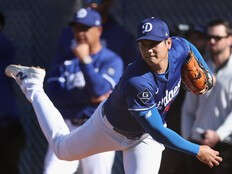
211, 138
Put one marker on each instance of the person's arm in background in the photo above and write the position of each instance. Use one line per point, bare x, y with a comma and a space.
188, 112
100, 84
212, 137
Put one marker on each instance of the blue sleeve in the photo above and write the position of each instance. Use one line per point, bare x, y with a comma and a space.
152, 123
139, 95
198, 55
102, 82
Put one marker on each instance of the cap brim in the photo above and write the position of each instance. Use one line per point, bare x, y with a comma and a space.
151, 37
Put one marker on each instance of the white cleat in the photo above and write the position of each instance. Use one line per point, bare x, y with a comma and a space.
21, 72
28, 78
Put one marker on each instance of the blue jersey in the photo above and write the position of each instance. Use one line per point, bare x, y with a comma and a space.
73, 84
142, 91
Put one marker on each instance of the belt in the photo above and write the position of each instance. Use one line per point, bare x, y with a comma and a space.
129, 135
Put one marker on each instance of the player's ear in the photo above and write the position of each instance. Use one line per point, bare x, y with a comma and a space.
168, 43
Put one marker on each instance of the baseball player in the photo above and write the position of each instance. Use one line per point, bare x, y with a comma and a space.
132, 119
72, 81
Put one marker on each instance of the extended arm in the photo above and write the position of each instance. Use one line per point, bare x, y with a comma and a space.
151, 121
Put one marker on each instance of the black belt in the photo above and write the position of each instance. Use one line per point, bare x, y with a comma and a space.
129, 135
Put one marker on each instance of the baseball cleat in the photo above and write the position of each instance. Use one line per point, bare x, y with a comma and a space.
20, 73
30, 79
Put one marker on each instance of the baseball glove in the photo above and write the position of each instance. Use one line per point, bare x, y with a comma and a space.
195, 77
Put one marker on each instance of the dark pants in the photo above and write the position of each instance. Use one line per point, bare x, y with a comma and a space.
11, 144
194, 166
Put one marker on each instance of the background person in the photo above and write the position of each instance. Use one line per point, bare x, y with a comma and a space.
114, 36
78, 85
207, 119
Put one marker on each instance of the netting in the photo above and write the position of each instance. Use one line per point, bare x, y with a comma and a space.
34, 27
197, 12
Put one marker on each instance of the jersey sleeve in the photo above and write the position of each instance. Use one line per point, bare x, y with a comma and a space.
152, 123
139, 96
101, 82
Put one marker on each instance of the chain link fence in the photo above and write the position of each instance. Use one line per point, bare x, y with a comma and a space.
34, 27
196, 12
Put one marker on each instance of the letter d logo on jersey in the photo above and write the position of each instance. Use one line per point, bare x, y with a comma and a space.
147, 27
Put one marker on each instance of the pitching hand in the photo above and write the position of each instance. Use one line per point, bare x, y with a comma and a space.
209, 156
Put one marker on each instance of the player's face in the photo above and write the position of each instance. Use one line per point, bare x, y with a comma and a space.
86, 34
217, 39
154, 52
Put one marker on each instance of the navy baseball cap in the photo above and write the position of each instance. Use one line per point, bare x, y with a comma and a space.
87, 16
152, 29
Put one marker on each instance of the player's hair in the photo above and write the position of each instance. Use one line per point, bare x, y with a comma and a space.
2, 21
226, 23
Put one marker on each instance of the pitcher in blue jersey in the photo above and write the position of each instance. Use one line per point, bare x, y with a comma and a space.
132, 119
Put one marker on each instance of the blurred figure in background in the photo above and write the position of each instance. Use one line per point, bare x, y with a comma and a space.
78, 85
11, 132
196, 35
114, 36
207, 119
